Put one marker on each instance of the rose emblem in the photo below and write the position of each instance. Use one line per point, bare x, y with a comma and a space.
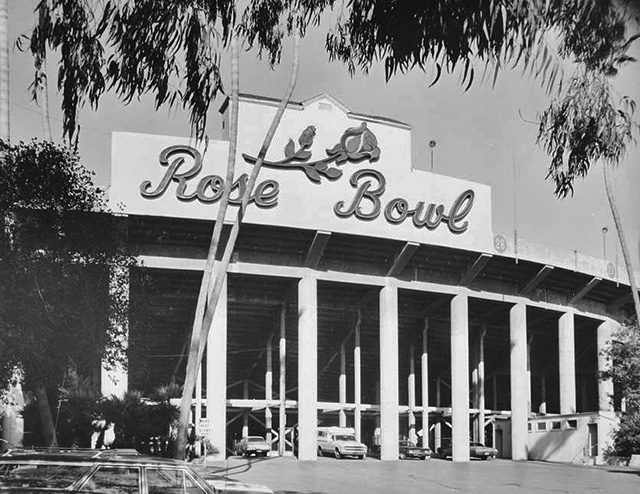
356, 144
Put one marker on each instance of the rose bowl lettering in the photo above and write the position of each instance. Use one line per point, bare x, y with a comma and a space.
184, 164
209, 188
370, 186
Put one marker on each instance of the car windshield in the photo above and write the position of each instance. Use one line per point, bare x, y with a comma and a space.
406, 443
255, 439
345, 437
477, 444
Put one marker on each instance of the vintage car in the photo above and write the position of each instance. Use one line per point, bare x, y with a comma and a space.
408, 449
476, 450
340, 442
58, 471
479, 450
252, 445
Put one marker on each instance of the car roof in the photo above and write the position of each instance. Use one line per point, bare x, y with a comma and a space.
71, 452
129, 457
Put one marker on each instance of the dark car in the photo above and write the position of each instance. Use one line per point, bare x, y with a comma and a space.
476, 450
253, 445
88, 471
407, 449
479, 450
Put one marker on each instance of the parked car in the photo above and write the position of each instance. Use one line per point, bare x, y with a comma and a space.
340, 442
476, 450
64, 471
408, 449
479, 450
253, 445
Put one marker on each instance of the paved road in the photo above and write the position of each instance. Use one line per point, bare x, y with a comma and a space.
330, 476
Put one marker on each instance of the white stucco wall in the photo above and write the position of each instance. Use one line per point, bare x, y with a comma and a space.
567, 444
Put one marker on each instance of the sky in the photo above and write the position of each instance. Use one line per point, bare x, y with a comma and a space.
485, 135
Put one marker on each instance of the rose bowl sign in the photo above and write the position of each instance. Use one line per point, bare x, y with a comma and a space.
353, 186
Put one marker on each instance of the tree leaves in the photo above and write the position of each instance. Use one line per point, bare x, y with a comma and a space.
583, 126
171, 49
56, 306
166, 48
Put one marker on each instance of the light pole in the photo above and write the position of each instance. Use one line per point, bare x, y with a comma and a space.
604, 241
432, 144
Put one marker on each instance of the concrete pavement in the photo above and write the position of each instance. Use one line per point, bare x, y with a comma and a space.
331, 476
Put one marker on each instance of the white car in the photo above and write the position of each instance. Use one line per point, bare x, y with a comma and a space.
340, 442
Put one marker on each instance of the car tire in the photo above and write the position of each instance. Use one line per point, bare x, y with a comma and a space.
485, 458
337, 454
362, 457
320, 451
402, 456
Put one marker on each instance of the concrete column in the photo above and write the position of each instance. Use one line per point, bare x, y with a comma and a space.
307, 367
529, 399
343, 386
567, 363
389, 420
518, 370
217, 377
282, 388
114, 381
438, 426
543, 394
357, 384
245, 414
268, 391
425, 386
605, 386
460, 377
481, 395
411, 385
475, 430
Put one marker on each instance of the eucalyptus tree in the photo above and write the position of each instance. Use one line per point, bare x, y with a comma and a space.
171, 49
586, 124
40, 85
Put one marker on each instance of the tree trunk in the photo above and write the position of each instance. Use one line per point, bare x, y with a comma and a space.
623, 242
226, 258
43, 87
4, 70
193, 364
214, 276
42, 84
46, 421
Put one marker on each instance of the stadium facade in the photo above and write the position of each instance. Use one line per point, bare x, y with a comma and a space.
362, 292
